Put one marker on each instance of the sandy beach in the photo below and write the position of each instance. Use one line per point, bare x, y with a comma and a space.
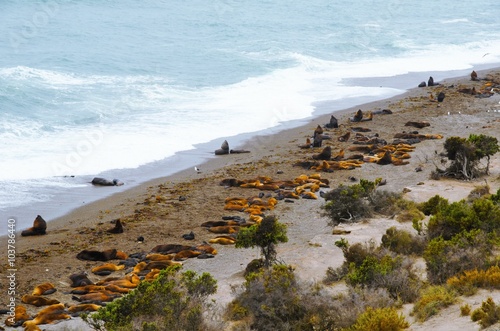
155, 211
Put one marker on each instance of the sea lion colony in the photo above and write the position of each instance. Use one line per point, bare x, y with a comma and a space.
88, 291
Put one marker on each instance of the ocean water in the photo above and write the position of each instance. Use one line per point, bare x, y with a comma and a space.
92, 88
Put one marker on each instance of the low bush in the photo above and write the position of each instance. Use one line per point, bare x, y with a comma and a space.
470, 280
432, 300
431, 206
367, 265
465, 251
350, 203
381, 319
465, 310
403, 242
488, 314
173, 301
274, 299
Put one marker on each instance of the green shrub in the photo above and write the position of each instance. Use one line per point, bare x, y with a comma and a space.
452, 219
174, 301
381, 319
465, 310
266, 235
354, 202
431, 206
432, 300
403, 242
488, 314
346, 204
465, 251
369, 266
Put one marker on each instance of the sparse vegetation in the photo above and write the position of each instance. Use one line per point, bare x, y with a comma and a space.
173, 301
374, 267
351, 203
465, 251
274, 299
488, 314
403, 242
381, 319
468, 282
432, 300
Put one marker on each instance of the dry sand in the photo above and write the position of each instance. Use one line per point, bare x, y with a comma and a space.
153, 210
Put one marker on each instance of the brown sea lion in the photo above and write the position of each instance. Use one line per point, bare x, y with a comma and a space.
325, 154
39, 227
20, 315
473, 76
106, 255
118, 228
440, 97
48, 315
185, 254
38, 300
224, 229
169, 248
44, 289
333, 124
223, 241
418, 124
84, 307
307, 145
317, 140
80, 279
163, 264
107, 267
344, 137
224, 149
159, 257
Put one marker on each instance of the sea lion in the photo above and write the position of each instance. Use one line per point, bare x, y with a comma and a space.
333, 124
238, 151
358, 116
317, 140
39, 227
44, 289
106, 182
325, 154
223, 241
106, 255
430, 82
418, 124
473, 76
80, 279
48, 315
108, 267
344, 137
38, 300
20, 315
169, 248
185, 254
224, 229
188, 236
422, 84
440, 97
159, 257
224, 149
307, 145
118, 228
75, 310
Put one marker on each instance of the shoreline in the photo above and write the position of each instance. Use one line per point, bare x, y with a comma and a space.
153, 209
64, 203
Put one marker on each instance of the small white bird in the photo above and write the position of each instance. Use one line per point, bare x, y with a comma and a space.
197, 170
